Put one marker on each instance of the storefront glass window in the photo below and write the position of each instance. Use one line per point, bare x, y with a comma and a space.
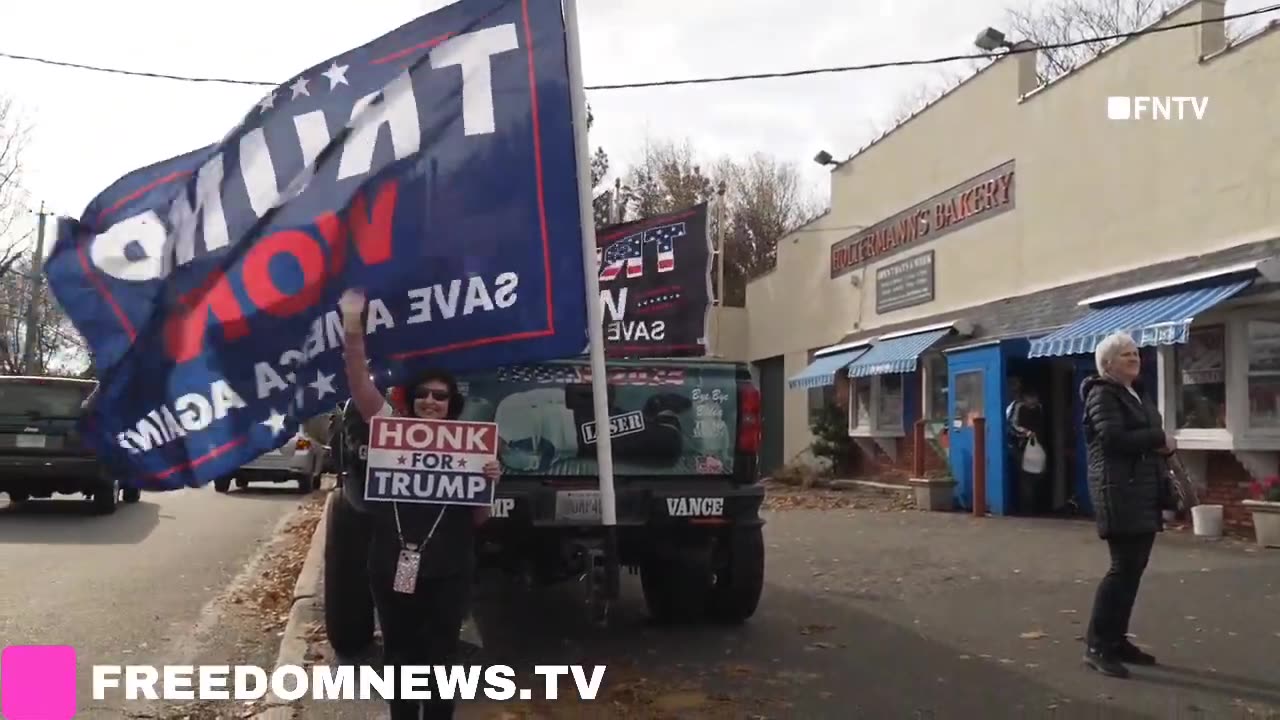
1264, 374
889, 412
968, 396
936, 387
1200, 379
862, 404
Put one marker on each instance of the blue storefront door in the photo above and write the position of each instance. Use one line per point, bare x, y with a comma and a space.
976, 390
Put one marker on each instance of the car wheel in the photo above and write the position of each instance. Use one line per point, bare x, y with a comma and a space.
242, 483
104, 498
131, 494
222, 484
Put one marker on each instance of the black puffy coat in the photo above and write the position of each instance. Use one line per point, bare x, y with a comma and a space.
1128, 473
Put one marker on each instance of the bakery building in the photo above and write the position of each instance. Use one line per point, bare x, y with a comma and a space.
981, 249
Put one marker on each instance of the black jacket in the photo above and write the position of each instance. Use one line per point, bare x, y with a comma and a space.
1128, 474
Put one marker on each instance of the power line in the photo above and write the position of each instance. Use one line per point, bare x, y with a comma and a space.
717, 79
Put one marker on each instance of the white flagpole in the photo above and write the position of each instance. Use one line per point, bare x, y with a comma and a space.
595, 315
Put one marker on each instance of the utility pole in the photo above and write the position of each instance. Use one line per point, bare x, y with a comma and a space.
36, 276
720, 244
719, 302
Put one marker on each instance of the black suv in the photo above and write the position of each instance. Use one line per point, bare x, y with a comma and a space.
41, 452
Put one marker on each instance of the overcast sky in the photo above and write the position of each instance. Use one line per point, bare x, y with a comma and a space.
90, 128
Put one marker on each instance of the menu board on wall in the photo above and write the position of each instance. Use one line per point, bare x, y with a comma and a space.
904, 284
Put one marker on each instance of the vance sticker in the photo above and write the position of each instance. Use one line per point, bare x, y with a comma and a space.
695, 507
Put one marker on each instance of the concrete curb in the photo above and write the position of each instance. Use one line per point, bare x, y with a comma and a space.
294, 642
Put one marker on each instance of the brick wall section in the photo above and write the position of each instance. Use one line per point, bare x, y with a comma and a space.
1228, 484
882, 467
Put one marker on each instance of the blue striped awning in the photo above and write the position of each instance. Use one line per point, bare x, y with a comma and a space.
822, 371
1161, 320
895, 355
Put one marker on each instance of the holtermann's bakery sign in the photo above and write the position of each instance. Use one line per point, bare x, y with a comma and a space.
970, 202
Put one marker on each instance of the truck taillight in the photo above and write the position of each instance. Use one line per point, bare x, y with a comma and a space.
748, 418
303, 443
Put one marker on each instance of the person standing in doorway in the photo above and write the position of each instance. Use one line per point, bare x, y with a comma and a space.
1028, 426
1127, 483
422, 557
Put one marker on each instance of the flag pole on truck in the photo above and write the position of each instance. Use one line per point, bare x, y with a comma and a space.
595, 319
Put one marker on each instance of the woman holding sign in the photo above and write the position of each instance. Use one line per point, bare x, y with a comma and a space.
421, 557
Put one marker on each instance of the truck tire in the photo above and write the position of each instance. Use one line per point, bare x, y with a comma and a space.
131, 494
104, 497
222, 484
348, 604
739, 577
677, 584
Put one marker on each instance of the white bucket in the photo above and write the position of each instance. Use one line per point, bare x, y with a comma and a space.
1207, 520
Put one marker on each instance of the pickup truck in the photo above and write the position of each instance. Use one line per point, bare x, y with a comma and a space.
685, 437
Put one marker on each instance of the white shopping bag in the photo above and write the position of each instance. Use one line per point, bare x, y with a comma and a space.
1033, 457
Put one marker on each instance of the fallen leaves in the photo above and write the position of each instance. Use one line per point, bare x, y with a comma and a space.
783, 497
270, 595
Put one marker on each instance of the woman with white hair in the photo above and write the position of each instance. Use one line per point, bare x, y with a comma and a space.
1129, 488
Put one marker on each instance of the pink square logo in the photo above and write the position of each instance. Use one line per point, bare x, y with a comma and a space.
38, 682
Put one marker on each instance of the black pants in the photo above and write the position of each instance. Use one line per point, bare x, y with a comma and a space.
1113, 605
421, 629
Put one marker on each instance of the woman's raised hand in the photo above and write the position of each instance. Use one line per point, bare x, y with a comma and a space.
352, 305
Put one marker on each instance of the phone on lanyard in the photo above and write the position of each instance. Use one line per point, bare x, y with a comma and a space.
407, 571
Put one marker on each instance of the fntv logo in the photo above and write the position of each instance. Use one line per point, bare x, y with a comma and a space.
1145, 107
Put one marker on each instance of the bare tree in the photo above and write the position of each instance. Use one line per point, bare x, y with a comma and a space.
764, 200
59, 347
599, 169
667, 178
13, 141
1069, 21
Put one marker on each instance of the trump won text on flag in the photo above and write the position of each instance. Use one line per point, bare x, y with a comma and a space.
435, 167
430, 461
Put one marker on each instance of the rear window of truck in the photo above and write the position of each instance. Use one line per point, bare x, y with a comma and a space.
41, 399
665, 421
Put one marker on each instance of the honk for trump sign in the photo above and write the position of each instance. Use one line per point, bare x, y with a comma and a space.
430, 461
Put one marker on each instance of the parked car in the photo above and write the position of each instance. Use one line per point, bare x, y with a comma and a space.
41, 451
300, 460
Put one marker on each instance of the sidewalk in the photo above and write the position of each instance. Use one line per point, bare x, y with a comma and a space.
907, 614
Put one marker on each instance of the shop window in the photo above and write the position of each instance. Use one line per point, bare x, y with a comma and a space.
969, 397
889, 403
876, 407
1221, 389
1262, 350
935, 387
1199, 379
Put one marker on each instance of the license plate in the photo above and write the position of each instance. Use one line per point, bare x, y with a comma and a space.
578, 506
30, 441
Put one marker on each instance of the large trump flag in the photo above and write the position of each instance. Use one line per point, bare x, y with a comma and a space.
433, 167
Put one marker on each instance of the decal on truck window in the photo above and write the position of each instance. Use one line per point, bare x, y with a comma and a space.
625, 424
664, 421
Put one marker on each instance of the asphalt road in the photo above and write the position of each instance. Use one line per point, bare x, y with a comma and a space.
872, 614
137, 586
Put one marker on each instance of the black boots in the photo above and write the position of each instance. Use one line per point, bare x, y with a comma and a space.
1107, 663
1129, 653
1112, 664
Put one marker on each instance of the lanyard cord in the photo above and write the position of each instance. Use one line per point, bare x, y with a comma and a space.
395, 508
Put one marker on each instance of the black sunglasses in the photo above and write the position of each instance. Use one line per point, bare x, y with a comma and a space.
437, 395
